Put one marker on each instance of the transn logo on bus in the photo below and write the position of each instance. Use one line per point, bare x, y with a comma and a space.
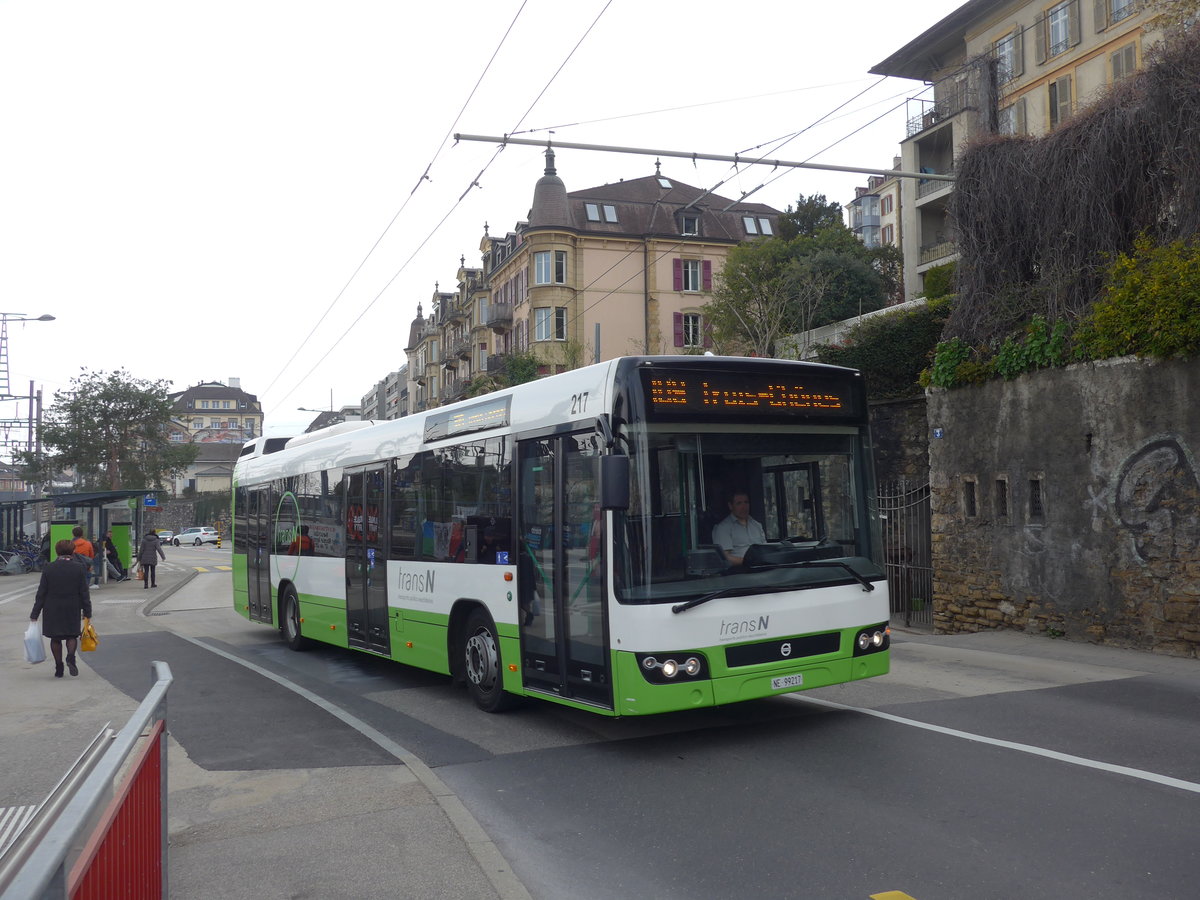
730, 627
417, 581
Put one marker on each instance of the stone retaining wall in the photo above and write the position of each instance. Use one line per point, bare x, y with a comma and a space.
1067, 502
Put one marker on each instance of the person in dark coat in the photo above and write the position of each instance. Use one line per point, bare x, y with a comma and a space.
148, 554
63, 596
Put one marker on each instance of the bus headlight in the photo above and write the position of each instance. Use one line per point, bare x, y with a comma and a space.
671, 668
875, 639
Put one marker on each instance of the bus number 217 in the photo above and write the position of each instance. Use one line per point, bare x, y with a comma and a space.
579, 403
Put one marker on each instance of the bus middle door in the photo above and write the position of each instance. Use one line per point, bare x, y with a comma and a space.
259, 546
563, 619
366, 559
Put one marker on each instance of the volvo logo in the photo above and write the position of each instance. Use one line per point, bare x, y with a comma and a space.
785, 649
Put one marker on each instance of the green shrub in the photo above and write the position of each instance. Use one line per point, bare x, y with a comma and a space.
890, 350
1150, 306
939, 281
1042, 347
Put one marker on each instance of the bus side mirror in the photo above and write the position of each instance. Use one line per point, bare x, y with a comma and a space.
614, 482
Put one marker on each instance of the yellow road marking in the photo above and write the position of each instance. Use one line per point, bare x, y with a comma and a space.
891, 895
213, 568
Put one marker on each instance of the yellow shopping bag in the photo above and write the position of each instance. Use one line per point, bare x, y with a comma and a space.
88, 639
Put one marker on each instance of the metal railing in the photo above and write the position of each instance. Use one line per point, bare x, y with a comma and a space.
122, 828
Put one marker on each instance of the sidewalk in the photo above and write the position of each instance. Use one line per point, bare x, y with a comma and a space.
351, 831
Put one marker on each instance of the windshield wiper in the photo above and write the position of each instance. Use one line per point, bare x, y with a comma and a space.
704, 598
822, 564
743, 589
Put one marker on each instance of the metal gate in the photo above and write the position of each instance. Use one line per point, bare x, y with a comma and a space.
904, 512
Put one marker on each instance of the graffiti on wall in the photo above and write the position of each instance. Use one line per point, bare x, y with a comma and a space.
1158, 501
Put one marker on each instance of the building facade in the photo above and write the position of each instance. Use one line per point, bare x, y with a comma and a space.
214, 412
874, 213
1001, 67
609, 271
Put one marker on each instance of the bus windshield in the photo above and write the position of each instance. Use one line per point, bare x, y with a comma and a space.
760, 510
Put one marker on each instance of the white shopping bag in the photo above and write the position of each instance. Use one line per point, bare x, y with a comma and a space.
35, 650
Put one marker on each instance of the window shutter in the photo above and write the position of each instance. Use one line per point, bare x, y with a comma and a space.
677, 266
707, 333
1074, 26
707, 276
1100, 11
677, 325
1039, 34
1018, 66
1019, 116
1064, 98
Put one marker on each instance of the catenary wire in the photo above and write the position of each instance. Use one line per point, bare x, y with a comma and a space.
420, 181
473, 184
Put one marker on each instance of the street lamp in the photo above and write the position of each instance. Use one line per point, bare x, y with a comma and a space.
5, 318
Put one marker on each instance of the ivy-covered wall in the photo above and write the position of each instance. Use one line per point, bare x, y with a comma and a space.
1067, 502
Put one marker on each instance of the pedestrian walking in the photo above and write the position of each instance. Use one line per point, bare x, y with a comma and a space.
63, 599
148, 554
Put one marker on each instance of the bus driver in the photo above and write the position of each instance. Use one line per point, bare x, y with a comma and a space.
737, 531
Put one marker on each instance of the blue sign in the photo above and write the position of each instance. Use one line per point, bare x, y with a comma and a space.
150, 501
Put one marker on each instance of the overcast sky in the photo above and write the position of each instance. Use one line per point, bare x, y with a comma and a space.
190, 188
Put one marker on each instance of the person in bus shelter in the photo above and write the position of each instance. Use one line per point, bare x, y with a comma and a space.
737, 531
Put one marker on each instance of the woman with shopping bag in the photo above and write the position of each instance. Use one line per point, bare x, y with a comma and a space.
62, 600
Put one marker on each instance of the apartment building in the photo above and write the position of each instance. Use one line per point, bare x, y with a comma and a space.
213, 411
874, 213
1007, 67
593, 274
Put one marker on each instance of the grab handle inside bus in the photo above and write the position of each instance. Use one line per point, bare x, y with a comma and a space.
614, 482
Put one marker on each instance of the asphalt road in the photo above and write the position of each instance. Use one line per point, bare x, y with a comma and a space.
984, 766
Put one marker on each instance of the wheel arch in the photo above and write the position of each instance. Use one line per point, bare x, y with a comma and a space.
281, 590
456, 628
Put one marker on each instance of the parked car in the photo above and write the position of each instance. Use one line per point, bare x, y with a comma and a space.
166, 536
196, 536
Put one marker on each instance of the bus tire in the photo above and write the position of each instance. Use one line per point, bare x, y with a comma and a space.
482, 664
290, 620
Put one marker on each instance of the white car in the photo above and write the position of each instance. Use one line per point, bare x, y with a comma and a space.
196, 536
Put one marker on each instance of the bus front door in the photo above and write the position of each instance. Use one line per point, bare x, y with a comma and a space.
258, 554
563, 619
366, 560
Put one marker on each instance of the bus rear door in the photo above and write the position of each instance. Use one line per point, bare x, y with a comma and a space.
366, 559
259, 528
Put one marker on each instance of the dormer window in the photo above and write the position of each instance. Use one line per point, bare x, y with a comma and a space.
757, 225
594, 210
689, 224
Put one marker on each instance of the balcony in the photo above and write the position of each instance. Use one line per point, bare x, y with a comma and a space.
455, 313
934, 252
453, 389
461, 348
931, 114
497, 364
500, 317
926, 188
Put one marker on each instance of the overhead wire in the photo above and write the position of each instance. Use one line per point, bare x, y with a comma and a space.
473, 184
420, 181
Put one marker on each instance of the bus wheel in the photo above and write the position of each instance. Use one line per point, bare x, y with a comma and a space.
291, 620
481, 663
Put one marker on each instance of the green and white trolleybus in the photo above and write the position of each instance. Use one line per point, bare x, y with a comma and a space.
564, 539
